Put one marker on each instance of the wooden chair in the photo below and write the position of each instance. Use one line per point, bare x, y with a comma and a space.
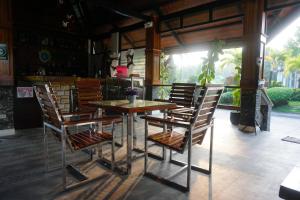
195, 129
183, 95
58, 122
91, 90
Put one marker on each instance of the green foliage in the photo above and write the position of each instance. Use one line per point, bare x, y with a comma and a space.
296, 95
226, 98
231, 98
208, 68
280, 95
236, 94
233, 57
276, 58
291, 107
276, 84
292, 65
164, 75
294, 44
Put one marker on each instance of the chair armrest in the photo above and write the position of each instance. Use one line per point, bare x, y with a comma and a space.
78, 113
162, 100
181, 115
182, 110
83, 122
167, 121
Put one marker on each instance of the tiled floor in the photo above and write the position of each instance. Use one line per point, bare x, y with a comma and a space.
244, 167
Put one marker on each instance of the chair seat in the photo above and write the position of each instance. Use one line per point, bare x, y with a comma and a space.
85, 139
171, 139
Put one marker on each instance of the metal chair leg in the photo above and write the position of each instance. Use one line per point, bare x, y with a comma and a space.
134, 130
46, 148
64, 173
91, 154
211, 146
113, 148
146, 147
189, 162
100, 151
123, 129
163, 153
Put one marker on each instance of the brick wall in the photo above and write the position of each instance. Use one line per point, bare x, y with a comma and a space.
62, 92
6, 107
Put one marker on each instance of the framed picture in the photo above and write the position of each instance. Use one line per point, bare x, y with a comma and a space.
24, 92
3, 51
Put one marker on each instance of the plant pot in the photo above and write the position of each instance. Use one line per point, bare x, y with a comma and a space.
235, 117
132, 98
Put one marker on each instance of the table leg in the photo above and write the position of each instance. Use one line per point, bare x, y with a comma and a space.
99, 115
129, 141
134, 130
165, 130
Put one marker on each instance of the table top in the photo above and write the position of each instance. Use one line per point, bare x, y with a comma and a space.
137, 106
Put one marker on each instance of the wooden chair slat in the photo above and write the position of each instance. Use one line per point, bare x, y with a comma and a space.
200, 120
52, 115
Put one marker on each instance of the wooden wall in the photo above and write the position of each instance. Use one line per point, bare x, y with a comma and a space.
6, 66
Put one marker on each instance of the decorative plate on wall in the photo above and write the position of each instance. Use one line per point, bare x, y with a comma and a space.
44, 56
3, 51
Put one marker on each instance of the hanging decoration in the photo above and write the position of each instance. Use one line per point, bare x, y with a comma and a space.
3, 51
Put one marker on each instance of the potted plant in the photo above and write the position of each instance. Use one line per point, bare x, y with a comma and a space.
131, 94
234, 57
236, 101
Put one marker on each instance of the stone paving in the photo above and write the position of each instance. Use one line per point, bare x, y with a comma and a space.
245, 166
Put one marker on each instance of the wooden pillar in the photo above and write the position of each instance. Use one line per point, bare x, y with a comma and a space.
152, 57
6, 70
253, 55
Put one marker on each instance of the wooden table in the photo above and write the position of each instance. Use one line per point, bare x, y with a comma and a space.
123, 106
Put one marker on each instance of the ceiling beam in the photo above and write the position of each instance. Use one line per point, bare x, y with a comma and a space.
126, 37
281, 6
129, 40
121, 10
174, 34
208, 6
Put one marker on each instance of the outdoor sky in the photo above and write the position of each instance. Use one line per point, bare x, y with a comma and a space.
280, 40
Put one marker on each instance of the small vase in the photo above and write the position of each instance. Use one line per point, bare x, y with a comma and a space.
132, 98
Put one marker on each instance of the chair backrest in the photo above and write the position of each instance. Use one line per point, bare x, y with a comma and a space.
47, 101
204, 111
88, 90
183, 94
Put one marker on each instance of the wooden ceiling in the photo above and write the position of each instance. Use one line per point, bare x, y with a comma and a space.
182, 22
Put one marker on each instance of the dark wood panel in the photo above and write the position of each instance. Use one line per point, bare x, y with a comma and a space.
6, 66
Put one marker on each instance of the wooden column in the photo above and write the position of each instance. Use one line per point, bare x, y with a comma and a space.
152, 57
6, 66
253, 53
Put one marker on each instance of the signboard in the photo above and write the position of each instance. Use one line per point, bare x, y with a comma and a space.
24, 92
3, 51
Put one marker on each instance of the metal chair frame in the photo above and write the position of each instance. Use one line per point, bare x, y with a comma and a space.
63, 133
184, 107
191, 128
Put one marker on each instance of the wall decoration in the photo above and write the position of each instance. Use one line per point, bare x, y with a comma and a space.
44, 56
24, 92
3, 51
